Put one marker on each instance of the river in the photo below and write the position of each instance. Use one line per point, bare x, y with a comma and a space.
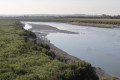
99, 46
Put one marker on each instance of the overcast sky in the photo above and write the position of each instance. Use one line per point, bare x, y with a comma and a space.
111, 7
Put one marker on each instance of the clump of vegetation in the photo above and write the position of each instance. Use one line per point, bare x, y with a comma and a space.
24, 59
61, 59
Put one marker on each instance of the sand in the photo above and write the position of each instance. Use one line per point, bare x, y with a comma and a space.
50, 29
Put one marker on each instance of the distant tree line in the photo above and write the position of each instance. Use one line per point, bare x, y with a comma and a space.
61, 16
96, 16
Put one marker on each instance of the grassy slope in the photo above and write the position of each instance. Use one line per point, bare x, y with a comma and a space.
22, 59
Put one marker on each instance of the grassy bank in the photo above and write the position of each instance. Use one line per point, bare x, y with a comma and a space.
24, 59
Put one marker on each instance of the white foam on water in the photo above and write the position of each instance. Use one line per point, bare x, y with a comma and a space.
27, 27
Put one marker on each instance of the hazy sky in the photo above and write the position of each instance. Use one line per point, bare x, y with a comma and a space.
111, 7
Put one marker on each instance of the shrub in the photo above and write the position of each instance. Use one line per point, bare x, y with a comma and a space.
20, 71
46, 46
80, 71
52, 54
61, 59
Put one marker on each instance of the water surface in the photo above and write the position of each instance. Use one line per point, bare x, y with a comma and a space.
99, 46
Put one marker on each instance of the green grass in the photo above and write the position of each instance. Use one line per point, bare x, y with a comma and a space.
24, 59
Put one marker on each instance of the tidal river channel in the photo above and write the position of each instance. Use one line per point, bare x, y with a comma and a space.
99, 46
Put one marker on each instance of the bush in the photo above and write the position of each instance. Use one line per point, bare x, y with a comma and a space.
49, 53
80, 71
61, 59
52, 54
46, 46
20, 71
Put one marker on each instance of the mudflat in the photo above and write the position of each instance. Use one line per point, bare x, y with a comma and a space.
49, 29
